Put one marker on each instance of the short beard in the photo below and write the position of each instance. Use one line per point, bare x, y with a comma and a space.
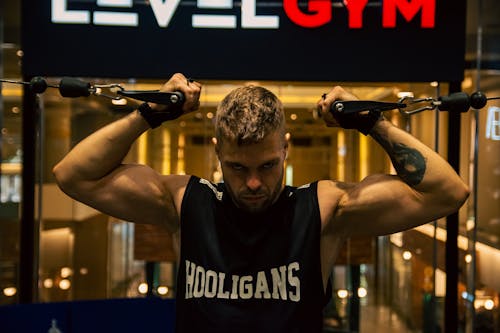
272, 198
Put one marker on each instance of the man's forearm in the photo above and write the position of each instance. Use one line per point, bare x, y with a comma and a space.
415, 163
409, 162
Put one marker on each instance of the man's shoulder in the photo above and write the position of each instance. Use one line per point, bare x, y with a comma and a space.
303, 193
309, 187
206, 186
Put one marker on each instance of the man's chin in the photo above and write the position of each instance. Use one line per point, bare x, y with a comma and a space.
252, 208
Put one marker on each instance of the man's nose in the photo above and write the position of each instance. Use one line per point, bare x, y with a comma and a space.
253, 181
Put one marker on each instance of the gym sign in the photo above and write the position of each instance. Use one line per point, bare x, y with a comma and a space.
493, 123
316, 14
287, 40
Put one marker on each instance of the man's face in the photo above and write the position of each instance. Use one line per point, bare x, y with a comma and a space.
253, 173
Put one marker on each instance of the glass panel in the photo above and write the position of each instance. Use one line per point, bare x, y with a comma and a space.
480, 232
10, 169
125, 273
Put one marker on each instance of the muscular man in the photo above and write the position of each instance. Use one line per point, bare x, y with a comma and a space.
255, 255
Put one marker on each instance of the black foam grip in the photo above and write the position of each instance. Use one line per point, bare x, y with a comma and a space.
478, 100
71, 87
38, 85
456, 102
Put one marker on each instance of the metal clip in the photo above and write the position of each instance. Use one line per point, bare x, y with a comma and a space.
97, 90
430, 104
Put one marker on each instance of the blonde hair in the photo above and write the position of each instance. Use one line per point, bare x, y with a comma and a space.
247, 114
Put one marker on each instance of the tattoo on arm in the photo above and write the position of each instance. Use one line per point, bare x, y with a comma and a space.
409, 163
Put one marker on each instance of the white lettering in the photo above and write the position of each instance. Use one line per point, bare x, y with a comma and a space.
294, 281
279, 282
218, 194
261, 287
221, 293
246, 287
164, 10
284, 282
250, 20
220, 4
115, 18
61, 14
493, 123
190, 269
199, 282
234, 290
210, 284
115, 3
214, 21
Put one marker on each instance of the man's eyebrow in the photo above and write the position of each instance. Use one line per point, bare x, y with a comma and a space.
232, 163
273, 160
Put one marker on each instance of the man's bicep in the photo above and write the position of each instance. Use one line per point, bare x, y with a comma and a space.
381, 205
133, 193
329, 195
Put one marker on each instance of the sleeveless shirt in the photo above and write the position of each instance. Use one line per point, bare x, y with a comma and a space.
242, 272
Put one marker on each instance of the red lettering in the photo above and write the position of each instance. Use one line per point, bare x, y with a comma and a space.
409, 8
355, 9
322, 10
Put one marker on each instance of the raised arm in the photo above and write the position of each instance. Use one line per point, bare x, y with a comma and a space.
93, 172
425, 188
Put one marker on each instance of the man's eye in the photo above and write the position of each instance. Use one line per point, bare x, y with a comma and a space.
237, 167
268, 165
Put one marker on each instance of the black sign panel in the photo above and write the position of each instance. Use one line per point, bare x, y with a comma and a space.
312, 40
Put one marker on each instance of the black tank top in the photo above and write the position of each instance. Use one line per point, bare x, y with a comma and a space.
242, 272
